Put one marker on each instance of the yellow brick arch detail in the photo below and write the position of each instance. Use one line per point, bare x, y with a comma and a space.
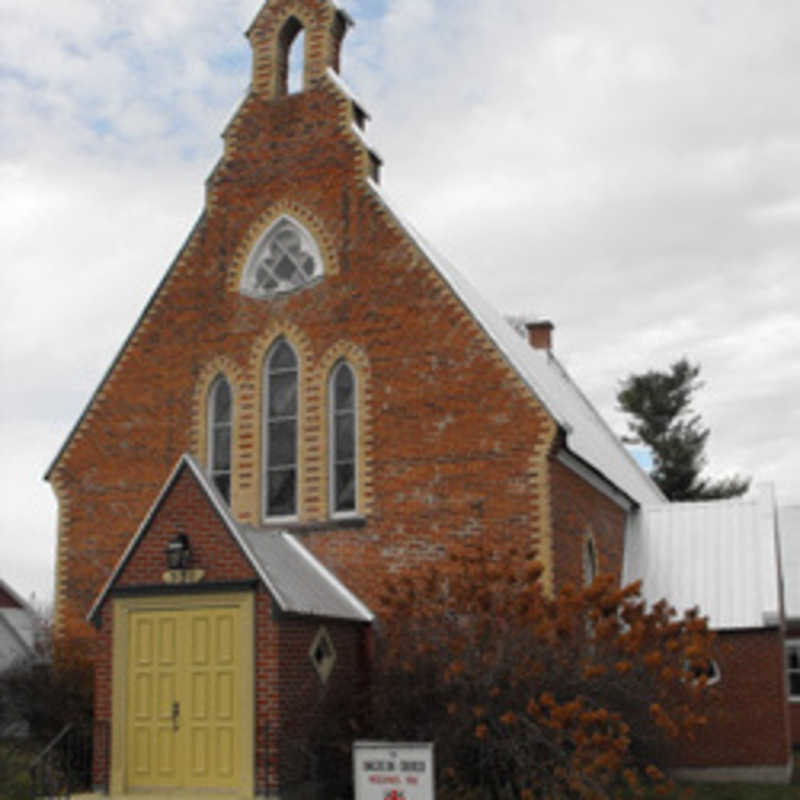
252, 433
270, 215
219, 366
317, 22
359, 362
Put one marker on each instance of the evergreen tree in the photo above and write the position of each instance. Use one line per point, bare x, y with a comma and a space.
662, 418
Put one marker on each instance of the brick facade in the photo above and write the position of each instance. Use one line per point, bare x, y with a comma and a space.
582, 513
452, 442
749, 725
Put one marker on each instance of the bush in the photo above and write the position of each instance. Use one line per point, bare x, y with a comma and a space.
528, 696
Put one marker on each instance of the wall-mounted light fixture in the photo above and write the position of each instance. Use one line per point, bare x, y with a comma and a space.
178, 552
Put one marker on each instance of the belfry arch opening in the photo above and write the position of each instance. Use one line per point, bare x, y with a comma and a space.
291, 57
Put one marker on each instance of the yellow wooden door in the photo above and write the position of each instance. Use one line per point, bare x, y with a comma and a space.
211, 714
184, 689
153, 690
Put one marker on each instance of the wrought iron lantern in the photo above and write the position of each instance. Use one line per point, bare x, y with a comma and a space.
178, 552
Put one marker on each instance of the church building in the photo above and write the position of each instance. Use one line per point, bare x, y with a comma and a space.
312, 402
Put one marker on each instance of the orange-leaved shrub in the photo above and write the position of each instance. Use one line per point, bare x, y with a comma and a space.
529, 695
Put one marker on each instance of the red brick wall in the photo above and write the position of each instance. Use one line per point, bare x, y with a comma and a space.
186, 509
304, 699
453, 429
103, 653
579, 510
793, 632
749, 725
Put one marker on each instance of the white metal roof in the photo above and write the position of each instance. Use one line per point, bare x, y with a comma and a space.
24, 625
719, 556
588, 435
300, 583
789, 526
297, 581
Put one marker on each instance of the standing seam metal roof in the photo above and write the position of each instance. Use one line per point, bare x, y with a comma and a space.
719, 556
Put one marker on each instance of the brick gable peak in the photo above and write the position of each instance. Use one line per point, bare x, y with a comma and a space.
297, 581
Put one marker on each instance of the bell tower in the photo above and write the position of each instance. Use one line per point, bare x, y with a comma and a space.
276, 28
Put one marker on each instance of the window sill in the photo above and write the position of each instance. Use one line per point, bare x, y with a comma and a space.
335, 524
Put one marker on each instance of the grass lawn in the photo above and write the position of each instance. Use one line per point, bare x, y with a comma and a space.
14, 780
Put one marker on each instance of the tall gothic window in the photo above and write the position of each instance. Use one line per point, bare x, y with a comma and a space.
342, 394
220, 428
280, 491
589, 562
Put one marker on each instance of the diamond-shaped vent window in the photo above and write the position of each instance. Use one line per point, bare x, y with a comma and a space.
285, 259
322, 654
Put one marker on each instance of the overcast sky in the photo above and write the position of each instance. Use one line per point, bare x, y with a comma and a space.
626, 168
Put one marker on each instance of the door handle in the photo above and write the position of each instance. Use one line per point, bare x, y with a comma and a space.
176, 712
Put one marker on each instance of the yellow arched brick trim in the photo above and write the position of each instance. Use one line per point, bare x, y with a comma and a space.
252, 506
220, 366
62, 548
358, 360
318, 27
265, 220
541, 514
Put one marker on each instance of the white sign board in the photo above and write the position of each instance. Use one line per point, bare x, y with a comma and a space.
386, 771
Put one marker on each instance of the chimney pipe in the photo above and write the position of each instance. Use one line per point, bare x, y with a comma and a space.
540, 334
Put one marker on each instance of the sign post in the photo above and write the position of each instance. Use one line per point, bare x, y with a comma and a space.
393, 771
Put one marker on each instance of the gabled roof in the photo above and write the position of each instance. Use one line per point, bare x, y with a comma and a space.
298, 582
588, 435
17, 598
719, 556
789, 525
20, 622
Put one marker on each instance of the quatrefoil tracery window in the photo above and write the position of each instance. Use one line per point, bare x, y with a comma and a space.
285, 259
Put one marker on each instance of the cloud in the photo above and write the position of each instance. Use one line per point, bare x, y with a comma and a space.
627, 168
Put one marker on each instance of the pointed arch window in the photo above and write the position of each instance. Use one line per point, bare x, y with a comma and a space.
286, 259
589, 562
281, 378
343, 432
220, 435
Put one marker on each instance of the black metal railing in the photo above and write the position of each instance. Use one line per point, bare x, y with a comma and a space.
64, 767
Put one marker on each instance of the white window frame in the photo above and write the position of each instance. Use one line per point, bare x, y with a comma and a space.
265, 420
211, 426
354, 512
792, 645
261, 252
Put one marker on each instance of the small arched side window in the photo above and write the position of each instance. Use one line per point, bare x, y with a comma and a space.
220, 430
589, 562
291, 57
343, 462
280, 431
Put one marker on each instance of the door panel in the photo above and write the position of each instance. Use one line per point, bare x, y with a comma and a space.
152, 680
185, 690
